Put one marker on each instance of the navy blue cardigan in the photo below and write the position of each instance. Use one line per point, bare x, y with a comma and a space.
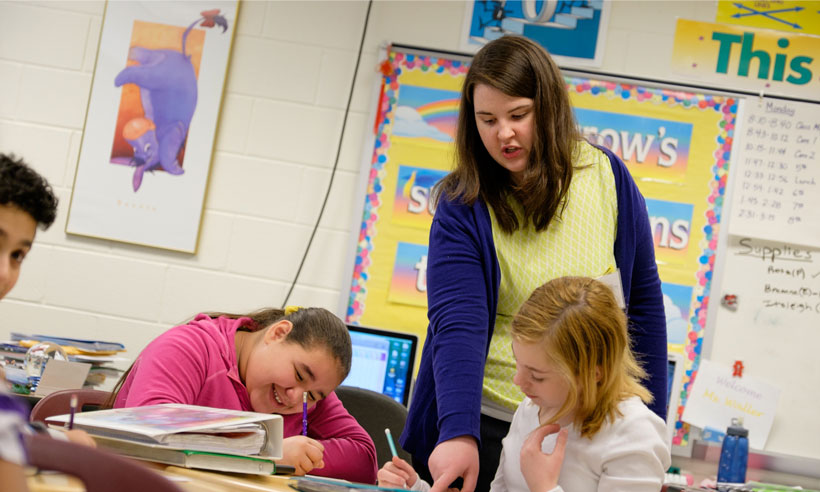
463, 279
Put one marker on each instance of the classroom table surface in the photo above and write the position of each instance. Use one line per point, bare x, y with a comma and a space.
187, 479
702, 469
206, 481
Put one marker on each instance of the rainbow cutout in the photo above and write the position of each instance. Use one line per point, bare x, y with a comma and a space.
408, 284
650, 147
411, 204
668, 220
426, 112
442, 115
677, 304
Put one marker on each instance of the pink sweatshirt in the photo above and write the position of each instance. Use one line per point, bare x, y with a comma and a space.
196, 364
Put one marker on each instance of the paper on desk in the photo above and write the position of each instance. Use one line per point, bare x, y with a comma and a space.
613, 281
59, 375
717, 397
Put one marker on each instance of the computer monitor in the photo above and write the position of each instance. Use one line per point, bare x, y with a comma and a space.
383, 361
674, 366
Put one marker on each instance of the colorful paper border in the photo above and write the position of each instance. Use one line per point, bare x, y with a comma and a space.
396, 63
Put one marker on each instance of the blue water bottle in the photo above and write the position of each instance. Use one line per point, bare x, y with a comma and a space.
734, 454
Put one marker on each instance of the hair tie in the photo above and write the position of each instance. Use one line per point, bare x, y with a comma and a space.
291, 309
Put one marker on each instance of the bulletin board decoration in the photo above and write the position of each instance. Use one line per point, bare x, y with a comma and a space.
388, 239
398, 65
797, 16
573, 32
720, 111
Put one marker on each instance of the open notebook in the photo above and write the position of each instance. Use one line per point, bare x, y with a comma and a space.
187, 435
321, 484
188, 427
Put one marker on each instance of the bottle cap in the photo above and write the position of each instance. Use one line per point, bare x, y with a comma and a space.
737, 429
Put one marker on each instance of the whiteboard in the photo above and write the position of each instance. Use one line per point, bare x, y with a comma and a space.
772, 266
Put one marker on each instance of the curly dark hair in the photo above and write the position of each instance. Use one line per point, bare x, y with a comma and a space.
22, 187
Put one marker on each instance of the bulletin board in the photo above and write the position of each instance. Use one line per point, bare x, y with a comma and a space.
676, 142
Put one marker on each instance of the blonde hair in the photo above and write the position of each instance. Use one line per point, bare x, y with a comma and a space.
584, 332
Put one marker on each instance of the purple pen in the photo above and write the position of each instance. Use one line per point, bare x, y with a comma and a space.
304, 413
72, 409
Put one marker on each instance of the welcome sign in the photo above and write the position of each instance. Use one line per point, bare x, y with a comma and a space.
717, 397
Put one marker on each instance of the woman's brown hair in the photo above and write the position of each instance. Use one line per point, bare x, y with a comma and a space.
582, 330
312, 327
517, 67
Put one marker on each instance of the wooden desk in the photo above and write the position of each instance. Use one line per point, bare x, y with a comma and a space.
205, 481
229, 481
53, 482
763, 467
187, 479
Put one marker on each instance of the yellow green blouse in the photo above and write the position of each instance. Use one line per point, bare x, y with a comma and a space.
579, 243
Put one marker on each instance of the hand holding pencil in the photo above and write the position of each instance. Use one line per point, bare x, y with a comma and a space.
302, 453
397, 474
75, 435
78, 436
73, 408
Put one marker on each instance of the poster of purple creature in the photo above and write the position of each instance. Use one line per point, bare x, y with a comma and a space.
156, 112
150, 128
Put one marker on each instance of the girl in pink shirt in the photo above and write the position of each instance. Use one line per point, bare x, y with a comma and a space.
262, 362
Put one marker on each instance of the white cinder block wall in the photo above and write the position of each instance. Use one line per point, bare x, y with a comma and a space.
288, 82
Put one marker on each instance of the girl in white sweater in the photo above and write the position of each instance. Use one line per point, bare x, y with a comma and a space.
584, 425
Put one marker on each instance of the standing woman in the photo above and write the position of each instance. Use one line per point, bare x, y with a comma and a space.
529, 201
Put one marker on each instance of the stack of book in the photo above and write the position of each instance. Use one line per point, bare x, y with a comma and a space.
187, 435
100, 354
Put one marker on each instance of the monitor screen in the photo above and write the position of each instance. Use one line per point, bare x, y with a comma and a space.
670, 374
673, 388
383, 361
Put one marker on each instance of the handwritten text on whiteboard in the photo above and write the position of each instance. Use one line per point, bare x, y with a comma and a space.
776, 195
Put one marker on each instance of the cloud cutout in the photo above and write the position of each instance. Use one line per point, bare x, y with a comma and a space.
676, 324
409, 123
